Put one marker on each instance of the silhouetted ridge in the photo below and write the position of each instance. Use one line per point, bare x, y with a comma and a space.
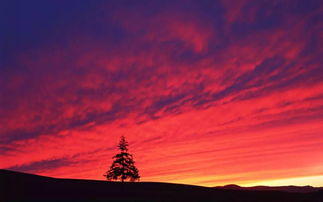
296, 189
20, 186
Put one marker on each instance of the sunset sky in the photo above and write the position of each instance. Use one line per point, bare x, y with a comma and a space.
206, 92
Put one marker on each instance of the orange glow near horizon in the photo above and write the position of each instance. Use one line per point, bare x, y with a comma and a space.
204, 94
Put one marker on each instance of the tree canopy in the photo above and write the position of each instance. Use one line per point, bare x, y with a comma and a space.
123, 167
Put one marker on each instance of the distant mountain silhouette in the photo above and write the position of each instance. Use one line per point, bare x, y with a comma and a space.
16, 186
291, 188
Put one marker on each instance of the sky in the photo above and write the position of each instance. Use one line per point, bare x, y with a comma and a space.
206, 92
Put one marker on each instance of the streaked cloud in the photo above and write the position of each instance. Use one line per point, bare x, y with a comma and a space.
206, 92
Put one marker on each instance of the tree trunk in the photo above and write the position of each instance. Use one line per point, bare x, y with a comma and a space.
122, 176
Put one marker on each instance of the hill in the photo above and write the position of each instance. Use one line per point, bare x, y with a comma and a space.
15, 186
292, 189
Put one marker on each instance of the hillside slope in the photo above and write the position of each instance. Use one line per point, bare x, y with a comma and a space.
295, 189
26, 187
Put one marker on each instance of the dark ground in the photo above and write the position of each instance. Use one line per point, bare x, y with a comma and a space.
294, 189
15, 186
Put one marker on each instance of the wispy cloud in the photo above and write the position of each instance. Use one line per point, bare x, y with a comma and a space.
206, 92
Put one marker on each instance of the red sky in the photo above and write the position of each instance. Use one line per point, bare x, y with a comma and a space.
206, 92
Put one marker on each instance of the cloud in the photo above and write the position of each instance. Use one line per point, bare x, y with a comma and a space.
196, 87
41, 166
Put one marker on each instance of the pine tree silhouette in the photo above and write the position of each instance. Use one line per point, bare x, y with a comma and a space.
123, 166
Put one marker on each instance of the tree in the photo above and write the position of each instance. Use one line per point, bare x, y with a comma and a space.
123, 167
